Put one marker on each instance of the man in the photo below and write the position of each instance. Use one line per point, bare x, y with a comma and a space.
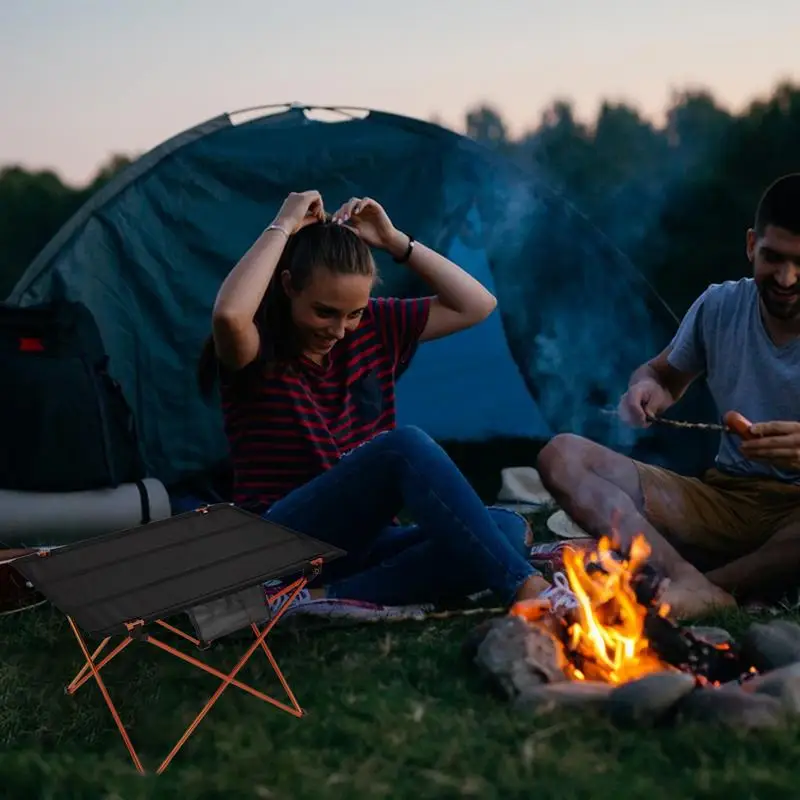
743, 516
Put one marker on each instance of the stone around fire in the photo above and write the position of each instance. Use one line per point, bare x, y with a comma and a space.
524, 662
549, 697
648, 699
782, 684
737, 709
518, 657
771, 645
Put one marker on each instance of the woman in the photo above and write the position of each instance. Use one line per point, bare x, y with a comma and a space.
307, 363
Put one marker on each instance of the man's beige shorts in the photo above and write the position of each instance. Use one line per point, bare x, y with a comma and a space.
718, 513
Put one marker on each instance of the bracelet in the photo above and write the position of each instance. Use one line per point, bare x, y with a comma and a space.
410, 249
280, 228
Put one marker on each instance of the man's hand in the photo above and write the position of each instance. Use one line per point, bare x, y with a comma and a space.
775, 443
644, 399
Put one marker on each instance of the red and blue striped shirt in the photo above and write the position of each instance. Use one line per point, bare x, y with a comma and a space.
286, 428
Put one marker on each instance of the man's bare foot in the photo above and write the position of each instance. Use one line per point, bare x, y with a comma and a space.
695, 599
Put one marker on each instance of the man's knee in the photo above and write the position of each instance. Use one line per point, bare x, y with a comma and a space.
565, 456
566, 460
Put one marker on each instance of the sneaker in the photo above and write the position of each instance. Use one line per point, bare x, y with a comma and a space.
548, 557
560, 595
277, 597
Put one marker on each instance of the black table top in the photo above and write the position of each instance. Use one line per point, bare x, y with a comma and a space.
159, 569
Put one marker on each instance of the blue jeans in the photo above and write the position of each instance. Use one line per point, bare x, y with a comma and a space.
456, 548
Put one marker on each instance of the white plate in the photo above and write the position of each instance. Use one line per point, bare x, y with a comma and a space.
523, 485
563, 527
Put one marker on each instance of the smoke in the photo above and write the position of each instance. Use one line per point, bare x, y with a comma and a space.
569, 356
578, 316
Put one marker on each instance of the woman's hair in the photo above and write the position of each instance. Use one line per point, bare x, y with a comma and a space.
319, 245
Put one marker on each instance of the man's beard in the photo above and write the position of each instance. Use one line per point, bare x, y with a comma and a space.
784, 307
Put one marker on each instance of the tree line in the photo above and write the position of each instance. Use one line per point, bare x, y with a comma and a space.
676, 197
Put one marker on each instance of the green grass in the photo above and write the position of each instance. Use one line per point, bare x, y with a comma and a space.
394, 711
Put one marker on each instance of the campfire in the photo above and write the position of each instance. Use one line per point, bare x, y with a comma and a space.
604, 638
617, 647
619, 630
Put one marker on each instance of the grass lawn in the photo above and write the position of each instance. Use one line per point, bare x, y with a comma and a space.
394, 712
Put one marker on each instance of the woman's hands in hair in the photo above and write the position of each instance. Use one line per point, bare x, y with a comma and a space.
300, 209
372, 224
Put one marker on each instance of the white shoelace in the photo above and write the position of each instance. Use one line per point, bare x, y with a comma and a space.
560, 595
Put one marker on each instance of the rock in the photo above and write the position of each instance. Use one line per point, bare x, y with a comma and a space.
791, 629
518, 657
470, 645
772, 645
548, 697
783, 684
712, 636
738, 709
648, 699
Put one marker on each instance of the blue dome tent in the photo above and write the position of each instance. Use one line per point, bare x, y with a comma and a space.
148, 252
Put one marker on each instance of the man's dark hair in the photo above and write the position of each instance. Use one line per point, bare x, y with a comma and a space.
780, 205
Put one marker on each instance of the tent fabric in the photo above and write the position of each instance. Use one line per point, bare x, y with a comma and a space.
148, 253
157, 570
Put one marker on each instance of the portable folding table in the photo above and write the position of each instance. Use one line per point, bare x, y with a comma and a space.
210, 564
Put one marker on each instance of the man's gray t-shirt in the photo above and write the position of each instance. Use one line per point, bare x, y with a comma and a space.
723, 336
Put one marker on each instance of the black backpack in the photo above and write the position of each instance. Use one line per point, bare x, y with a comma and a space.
64, 422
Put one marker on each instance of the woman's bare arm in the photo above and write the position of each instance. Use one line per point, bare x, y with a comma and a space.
460, 300
236, 337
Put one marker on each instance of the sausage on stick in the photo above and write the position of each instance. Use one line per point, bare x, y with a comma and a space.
739, 425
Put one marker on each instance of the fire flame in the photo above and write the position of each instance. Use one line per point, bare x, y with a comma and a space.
605, 636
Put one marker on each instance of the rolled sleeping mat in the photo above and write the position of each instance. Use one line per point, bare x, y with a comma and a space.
49, 519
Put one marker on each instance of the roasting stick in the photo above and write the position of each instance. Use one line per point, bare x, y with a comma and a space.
733, 422
675, 423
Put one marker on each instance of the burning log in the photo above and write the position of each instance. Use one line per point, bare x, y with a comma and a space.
683, 649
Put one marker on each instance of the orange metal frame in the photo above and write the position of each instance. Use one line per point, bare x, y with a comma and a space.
92, 667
